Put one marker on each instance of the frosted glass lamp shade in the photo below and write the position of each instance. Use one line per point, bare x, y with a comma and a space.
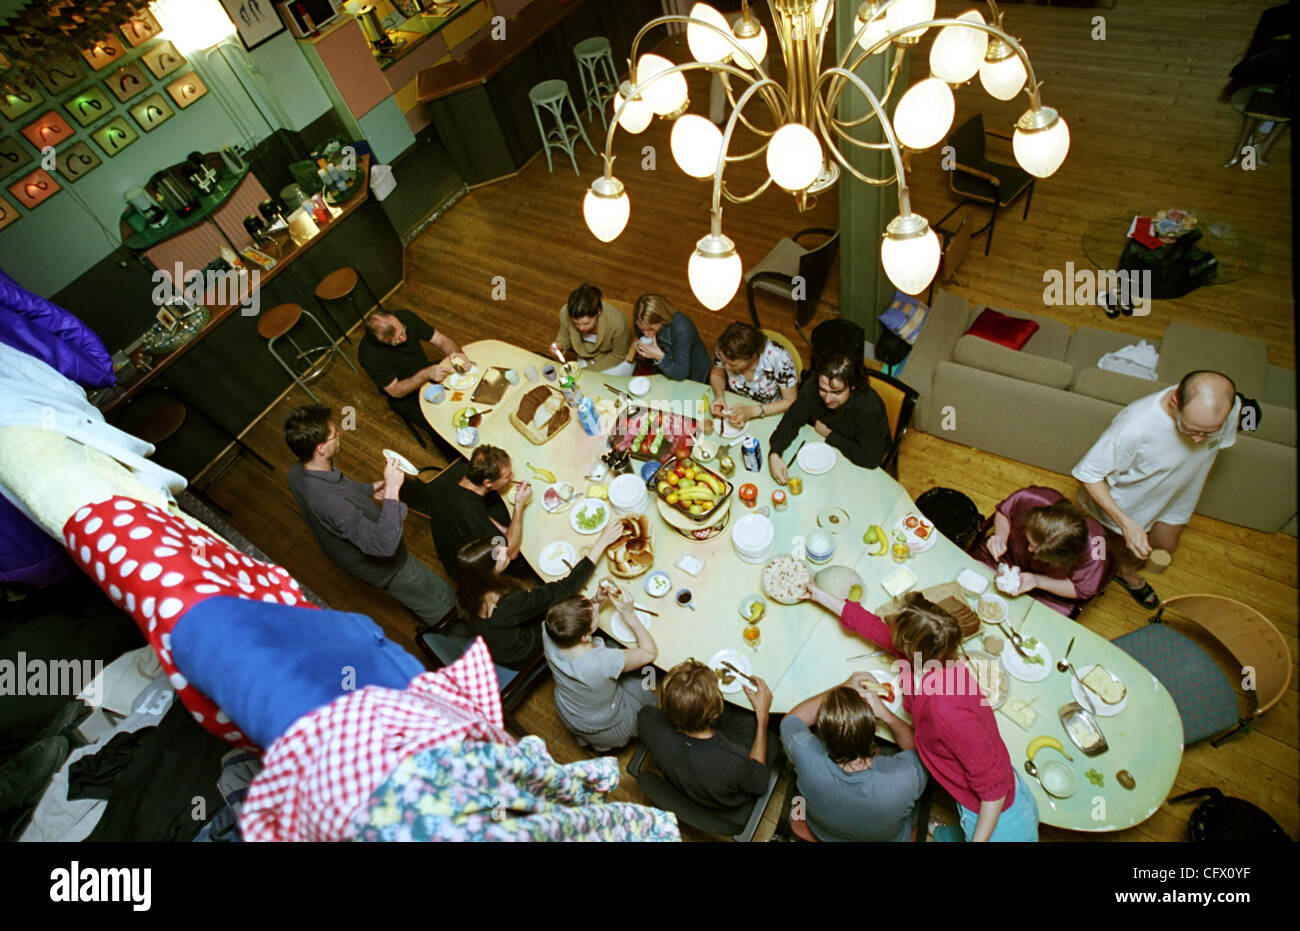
666, 95
910, 261
794, 157
705, 44
637, 115
1041, 151
958, 51
696, 143
1002, 77
906, 12
606, 208
714, 271
924, 114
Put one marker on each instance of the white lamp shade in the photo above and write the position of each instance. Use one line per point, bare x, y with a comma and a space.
636, 117
193, 25
958, 51
705, 44
606, 216
820, 12
714, 279
924, 114
794, 157
911, 263
876, 31
666, 95
1040, 153
905, 12
756, 46
1004, 79
696, 143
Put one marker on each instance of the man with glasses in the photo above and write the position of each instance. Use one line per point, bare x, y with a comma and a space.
1144, 475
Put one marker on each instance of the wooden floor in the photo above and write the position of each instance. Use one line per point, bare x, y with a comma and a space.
1148, 132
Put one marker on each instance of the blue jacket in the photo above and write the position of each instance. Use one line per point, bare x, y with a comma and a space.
685, 355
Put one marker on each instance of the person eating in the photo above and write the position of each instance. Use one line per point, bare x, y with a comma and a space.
748, 363
594, 332
842, 408
668, 338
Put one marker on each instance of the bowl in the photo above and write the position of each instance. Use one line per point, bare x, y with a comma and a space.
1057, 779
819, 547
753, 537
467, 436
751, 599
628, 495
639, 386
435, 394
648, 470
657, 584
838, 582
791, 566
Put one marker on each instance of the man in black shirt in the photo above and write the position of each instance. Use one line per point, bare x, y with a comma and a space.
392, 353
466, 504
842, 408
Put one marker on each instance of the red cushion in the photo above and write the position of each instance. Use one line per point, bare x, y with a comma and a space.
1012, 332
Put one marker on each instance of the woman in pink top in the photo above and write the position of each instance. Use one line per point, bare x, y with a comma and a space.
956, 735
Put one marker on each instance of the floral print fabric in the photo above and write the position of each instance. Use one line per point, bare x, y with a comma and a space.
775, 370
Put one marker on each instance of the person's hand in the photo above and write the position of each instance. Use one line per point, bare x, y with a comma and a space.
718, 407
996, 546
821, 428
458, 361
810, 592
377, 490
523, 494
742, 414
393, 476
760, 697
777, 466
1028, 582
1135, 538
861, 683
436, 373
613, 530
650, 350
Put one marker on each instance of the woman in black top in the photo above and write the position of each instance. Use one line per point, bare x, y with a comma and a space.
842, 408
507, 612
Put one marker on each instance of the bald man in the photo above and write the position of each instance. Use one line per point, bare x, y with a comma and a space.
1144, 475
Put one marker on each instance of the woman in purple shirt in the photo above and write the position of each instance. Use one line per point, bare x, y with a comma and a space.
1060, 551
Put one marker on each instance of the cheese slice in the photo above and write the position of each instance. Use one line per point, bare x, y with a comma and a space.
1104, 685
1020, 711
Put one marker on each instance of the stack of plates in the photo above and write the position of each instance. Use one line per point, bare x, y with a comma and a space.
629, 495
753, 537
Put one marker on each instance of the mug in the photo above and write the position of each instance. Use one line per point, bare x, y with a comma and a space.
512, 376
550, 373
684, 597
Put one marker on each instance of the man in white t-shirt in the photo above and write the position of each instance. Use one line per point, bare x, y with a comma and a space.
1144, 475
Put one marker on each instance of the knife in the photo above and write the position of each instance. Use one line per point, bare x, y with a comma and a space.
749, 679
796, 452
618, 391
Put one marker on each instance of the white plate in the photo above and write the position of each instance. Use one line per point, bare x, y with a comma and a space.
587, 507
989, 596
563, 505
1027, 672
737, 659
402, 462
897, 681
620, 629
460, 382
550, 562
1099, 707
657, 584
922, 543
639, 386
816, 458
728, 431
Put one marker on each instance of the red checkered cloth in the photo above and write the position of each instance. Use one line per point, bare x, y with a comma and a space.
156, 567
329, 763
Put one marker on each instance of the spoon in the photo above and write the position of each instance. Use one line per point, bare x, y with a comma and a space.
1064, 665
1033, 771
1014, 637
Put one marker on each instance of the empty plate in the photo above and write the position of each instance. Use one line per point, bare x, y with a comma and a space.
620, 629
402, 462
816, 458
551, 561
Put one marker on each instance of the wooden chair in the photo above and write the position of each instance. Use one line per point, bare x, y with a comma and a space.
788, 346
978, 178
1204, 695
789, 260
900, 400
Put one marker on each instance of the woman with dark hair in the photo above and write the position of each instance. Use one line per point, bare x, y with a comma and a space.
594, 332
956, 735
842, 408
1060, 551
668, 338
507, 612
749, 363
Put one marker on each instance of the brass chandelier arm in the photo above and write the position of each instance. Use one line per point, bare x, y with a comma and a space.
904, 200
837, 88
826, 120
739, 199
678, 18
722, 155
731, 100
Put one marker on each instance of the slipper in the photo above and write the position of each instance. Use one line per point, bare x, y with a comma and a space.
1145, 596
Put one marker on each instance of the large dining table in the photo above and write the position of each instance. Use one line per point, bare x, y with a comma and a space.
803, 649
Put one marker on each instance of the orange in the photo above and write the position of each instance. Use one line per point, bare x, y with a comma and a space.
751, 634
672, 498
672, 478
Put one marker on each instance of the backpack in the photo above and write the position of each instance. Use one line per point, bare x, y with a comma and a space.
1222, 819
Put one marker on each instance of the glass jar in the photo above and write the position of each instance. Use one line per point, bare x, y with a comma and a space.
749, 495
795, 485
727, 465
778, 500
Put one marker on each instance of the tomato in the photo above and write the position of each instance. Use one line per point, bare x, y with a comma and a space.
911, 521
889, 693
922, 532
679, 470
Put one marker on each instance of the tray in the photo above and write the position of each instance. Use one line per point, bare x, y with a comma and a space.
491, 387
668, 467
676, 429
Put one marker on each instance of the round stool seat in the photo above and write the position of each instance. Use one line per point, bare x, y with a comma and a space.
590, 48
337, 284
161, 423
548, 92
278, 321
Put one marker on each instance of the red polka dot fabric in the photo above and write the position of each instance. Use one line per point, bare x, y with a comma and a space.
156, 567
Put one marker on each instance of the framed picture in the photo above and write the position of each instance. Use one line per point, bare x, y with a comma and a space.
8, 213
186, 89
76, 161
141, 29
114, 136
103, 53
50, 130
17, 103
162, 59
127, 81
59, 75
33, 189
88, 106
152, 112
256, 20
167, 319
13, 155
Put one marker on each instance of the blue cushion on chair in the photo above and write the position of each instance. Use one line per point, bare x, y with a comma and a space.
1202, 694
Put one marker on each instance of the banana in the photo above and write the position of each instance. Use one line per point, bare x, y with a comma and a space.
545, 475
1040, 742
715, 484
756, 611
695, 494
876, 534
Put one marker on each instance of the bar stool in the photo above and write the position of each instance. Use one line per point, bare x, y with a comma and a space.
277, 322
596, 69
552, 96
163, 421
341, 285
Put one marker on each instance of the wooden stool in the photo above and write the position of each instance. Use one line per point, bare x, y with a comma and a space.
341, 285
596, 69
552, 96
277, 322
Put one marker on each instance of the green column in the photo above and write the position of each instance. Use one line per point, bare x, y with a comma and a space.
865, 210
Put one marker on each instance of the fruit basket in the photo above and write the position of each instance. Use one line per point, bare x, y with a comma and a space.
690, 489
652, 434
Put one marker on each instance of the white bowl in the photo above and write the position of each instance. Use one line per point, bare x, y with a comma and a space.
628, 495
638, 386
819, 547
752, 536
467, 436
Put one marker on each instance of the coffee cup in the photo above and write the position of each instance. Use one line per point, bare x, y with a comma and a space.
685, 598
549, 373
1158, 561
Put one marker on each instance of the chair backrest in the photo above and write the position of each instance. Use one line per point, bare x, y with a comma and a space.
967, 141
956, 249
788, 347
1245, 633
899, 400
739, 823
815, 269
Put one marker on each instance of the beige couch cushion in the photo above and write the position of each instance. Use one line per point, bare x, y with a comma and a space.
1114, 387
1087, 346
980, 353
1244, 359
1276, 425
948, 319
1048, 341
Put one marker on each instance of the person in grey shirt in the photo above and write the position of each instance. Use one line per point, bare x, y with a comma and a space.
362, 538
852, 791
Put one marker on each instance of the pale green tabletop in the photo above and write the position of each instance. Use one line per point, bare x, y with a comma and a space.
803, 649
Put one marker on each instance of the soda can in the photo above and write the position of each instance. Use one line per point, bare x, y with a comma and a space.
752, 453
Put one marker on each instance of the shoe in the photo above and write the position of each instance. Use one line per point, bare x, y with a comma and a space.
1145, 596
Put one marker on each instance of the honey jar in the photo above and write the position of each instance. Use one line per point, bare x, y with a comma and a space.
796, 485
726, 465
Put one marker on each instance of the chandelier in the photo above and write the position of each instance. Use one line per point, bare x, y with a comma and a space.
802, 153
